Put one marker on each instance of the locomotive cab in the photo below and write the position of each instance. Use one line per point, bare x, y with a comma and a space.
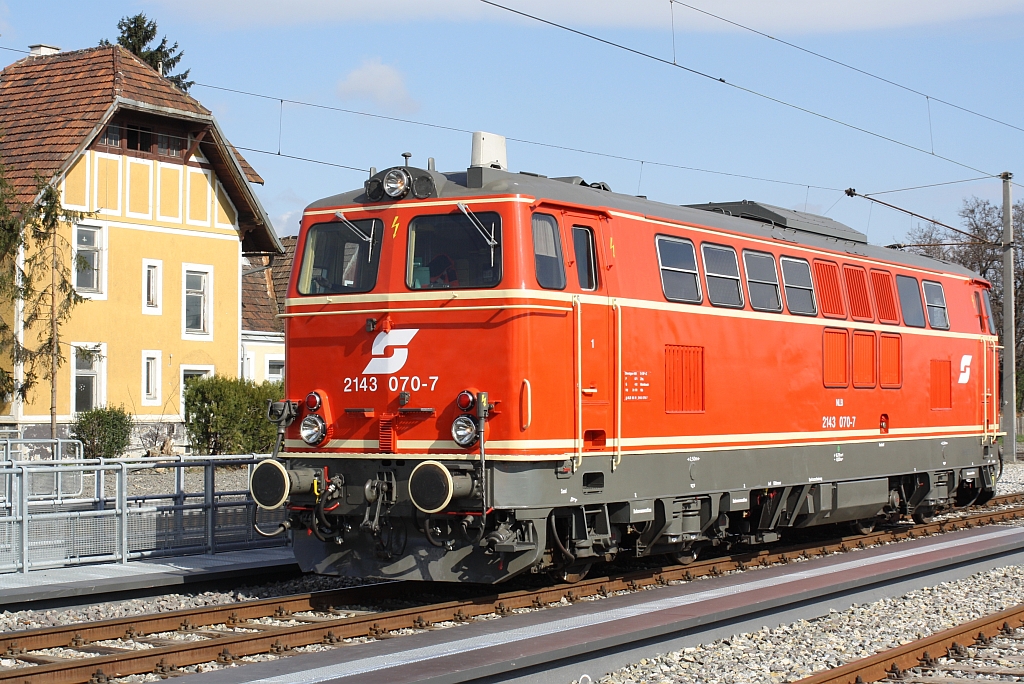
491, 373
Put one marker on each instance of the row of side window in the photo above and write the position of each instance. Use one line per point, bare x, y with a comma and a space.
547, 254
90, 272
680, 281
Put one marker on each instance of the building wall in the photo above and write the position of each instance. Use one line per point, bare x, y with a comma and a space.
176, 219
259, 356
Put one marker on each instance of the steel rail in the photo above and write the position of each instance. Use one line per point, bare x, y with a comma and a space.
228, 646
893, 663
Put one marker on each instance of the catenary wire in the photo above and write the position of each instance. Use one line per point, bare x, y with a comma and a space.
519, 140
930, 185
849, 66
750, 91
564, 148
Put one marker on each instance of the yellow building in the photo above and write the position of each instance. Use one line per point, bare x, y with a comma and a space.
170, 215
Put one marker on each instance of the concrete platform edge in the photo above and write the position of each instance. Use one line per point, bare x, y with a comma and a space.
85, 580
566, 664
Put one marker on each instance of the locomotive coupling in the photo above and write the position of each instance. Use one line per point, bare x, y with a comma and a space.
432, 486
271, 483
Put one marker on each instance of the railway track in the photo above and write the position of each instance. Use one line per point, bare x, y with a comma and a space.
163, 643
992, 646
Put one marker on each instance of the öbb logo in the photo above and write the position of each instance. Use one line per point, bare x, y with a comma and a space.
399, 339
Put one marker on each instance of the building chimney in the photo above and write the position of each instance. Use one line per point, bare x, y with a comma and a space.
40, 50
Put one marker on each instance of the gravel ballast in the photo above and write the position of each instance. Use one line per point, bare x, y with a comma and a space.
790, 652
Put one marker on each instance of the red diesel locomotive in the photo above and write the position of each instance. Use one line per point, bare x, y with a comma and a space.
491, 373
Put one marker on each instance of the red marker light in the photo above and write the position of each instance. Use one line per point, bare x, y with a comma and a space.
465, 400
313, 401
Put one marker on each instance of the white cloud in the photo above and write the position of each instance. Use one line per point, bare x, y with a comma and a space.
379, 83
782, 16
287, 223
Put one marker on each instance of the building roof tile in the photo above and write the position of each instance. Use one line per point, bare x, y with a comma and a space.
52, 106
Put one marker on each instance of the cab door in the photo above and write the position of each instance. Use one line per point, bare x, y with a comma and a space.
593, 334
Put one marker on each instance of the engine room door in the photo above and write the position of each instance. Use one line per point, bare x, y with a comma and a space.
594, 355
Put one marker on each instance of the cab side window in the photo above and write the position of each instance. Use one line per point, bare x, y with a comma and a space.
547, 252
722, 273
910, 301
678, 263
796, 279
935, 300
586, 257
762, 281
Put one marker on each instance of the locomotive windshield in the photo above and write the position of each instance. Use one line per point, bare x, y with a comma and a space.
341, 257
449, 251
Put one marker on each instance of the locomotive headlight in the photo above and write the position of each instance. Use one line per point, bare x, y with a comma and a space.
464, 431
313, 429
397, 182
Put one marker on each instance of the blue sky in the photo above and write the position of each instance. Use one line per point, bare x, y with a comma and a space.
464, 65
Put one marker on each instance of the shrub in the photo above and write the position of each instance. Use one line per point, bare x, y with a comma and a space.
105, 432
228, 415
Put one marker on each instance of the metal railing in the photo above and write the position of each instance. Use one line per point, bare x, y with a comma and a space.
60, 511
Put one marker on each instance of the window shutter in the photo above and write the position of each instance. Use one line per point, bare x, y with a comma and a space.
863, 359
835, 344
891, 353
830, 293
941, 384
684, 379
857, 290
885, 297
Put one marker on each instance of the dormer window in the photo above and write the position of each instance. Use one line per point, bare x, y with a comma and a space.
140, 138
111, 136
170, 145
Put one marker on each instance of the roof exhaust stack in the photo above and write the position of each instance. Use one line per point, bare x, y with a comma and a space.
489, 151
41, 50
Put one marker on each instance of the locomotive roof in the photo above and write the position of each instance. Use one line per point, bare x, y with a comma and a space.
754, 218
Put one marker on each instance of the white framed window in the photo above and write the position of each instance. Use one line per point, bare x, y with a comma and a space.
152, 287
89, 265
197, 302
88, 376
274, 371
188, 373
152, 367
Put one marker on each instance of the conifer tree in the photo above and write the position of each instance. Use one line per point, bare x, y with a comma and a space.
137, 33
37, 292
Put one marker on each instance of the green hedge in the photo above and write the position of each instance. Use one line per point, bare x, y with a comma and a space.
104, 432
228, 415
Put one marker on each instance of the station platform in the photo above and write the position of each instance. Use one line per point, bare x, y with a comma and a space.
137, 575
594, 637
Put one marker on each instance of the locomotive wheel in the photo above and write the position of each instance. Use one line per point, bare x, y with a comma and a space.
684, 557
923, 515
865, 526
572, 574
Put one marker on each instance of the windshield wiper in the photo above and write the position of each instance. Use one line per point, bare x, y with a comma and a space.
362, 236
491, 242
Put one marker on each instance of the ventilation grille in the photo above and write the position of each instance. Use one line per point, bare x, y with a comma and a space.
388, 439
857, 290
684, 379
863, 358
830, 292
834, 357
885, 297
941, 384
891, 357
